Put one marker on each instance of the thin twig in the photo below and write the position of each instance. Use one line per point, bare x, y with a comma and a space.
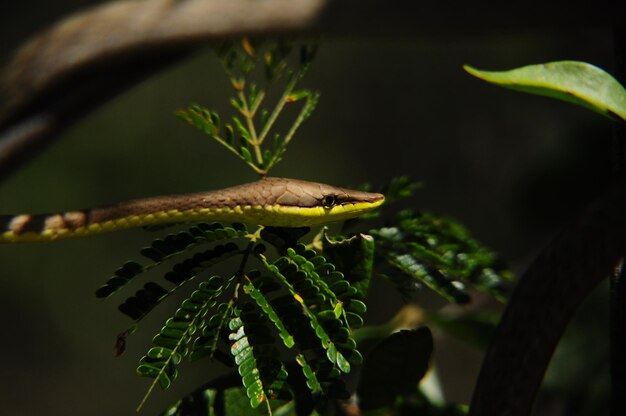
249, 116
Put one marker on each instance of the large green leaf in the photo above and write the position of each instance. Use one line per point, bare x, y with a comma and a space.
394, 367
576, 82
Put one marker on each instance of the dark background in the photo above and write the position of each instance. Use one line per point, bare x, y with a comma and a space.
512, 167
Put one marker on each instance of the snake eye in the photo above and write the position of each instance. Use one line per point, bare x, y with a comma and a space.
329, 201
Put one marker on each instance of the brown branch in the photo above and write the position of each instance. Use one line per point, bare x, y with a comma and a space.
87, 58
67, 71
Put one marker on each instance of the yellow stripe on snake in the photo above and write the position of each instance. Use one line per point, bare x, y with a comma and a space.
271, 201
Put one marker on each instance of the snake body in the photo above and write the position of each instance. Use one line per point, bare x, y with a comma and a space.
276, 202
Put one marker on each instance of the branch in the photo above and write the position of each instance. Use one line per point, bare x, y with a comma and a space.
70, 69
67, 71
75, 66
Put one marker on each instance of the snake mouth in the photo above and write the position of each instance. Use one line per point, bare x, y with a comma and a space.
376, 198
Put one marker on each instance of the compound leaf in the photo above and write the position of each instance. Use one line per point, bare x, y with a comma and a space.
170, 344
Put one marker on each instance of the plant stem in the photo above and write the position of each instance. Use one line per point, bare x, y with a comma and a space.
257, 169
279, 106
303, 115
248, 114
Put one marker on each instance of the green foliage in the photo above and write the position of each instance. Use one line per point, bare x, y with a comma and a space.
572, 81
262, 373
152, 294
440, 253
283, 319
250, 134
418, 247
311, 308
170, 246
355, 256
171, 343
298, 300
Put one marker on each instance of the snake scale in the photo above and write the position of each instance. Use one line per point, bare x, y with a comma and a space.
271, 201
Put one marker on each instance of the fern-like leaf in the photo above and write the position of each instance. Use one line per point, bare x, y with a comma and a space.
269, 311
344, 297
136, 307
354, 256
440, 253
452, 290
283, 238
206, 345
166, 248
312, 381
292, 277
262, 374
170, 345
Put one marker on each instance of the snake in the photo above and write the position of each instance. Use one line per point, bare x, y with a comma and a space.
278, 202
512, 370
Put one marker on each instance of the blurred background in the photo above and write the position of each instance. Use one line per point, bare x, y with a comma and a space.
512, 167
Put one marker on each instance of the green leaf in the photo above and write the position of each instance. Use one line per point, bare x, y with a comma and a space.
138, 306
271, 314
191, 267
206, 345
572, 81
441, 253
162, 249
283, 238
263, 376
160, 353
327, 341
265, 116
146, 370
144, 301
171, 343
199, 117
215, 120
237, 104
355, 257
431, 276
230, 135
394, 368
240, 127
120, 277
245, 154
297, 95
311, 380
